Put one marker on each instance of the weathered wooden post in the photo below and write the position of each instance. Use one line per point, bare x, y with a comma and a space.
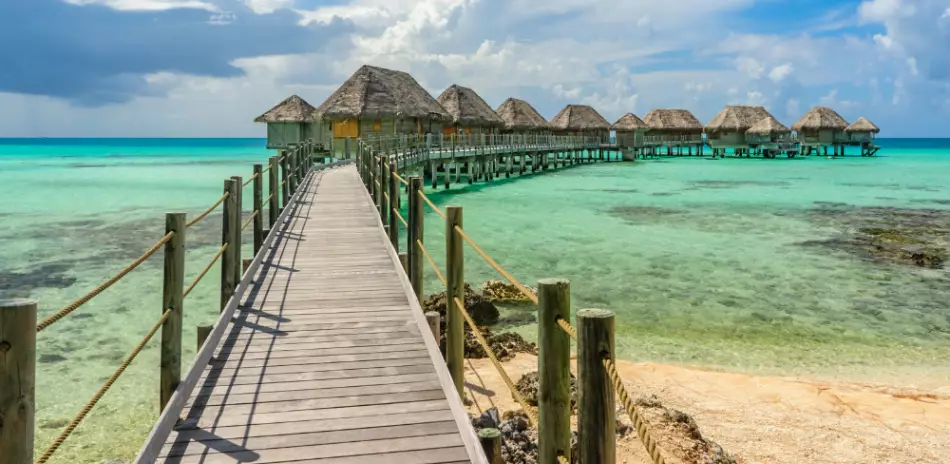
393, 185
236, 229
455, 287
258, 208
17, 380
554, 371
491, 444
204, 330
229, 261
272, 185
384, 203
434, 319
415, 235
285, 180
173, 283
378, 185
596, 421
404, 262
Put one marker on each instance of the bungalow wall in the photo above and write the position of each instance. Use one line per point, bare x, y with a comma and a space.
630, 138
860, 137
727, 139
822, 137
337, 131
282, 135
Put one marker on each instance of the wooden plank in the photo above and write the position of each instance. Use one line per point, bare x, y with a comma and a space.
267, 377
311, 361
303, 395
268, 387
320, 403
230, 419
228, 355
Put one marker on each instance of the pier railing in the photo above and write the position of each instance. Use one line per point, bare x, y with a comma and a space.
597, 375
18, 318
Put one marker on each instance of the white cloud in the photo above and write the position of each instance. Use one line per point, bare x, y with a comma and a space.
882, 10
267, 6
779, 73
755, 97
148, 5
750, 67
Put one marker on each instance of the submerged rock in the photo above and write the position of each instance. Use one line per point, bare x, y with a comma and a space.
482, 310
527, 385
519, 441
496, 290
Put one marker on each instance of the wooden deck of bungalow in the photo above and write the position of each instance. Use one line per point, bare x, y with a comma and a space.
328, 357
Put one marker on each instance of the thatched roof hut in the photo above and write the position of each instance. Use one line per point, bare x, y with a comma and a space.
467, 108
576, 118
820, 118
768, 126
863, 125
673, 121
736, 118
519, 115
379, 93
292, 110
629, 123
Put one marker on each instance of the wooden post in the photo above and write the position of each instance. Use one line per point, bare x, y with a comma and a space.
393, 206
404, 261
554, 371
384, 204
491, 444
173, 284
204, 330
455, 287
415, 234
434, 319
285, 180
272, 185
229, 261
236, 230
17, 380
596, 421
378, 164
258, 225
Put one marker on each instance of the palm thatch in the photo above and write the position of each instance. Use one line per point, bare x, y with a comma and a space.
768, 126
579, 118
736, 118
376, 93
818, 118
292, 109
468, 108
862, 125
673, 120
520, 115
629, 123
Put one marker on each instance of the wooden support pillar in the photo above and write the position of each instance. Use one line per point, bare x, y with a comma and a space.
258, 186
446, 175
433, 174
173, 285
554, 371
238, 212
490, 440
384, 175
17, 380
285, 179
393, 185
508, 162
204, 330
416, 229
229, 261
273, 186
455, 287
434, 320
521, 163
596, 413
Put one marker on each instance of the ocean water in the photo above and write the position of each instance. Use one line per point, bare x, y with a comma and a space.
731, 263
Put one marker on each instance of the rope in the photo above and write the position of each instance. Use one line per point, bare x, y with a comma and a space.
432, 205
400, 179
208, 211
247, 182
267, 200
248, 221
102, 390
527, 293
532, 415
567, 327
399, 216
85, 298
206, 269
431, 262
638, 423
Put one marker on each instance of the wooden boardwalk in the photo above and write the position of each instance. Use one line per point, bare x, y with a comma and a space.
328, 358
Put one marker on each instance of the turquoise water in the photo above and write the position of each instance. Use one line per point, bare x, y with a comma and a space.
707, 262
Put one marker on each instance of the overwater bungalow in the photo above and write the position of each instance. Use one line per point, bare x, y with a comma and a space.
290, 122
820, 128
770, 137
630, 131
469, 113
673, 129
728, 129
862, 133
379, 102
581, 120
521, 117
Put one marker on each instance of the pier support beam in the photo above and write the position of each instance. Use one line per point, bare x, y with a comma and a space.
17, 380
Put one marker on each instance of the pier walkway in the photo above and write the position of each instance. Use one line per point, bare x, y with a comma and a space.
327, 358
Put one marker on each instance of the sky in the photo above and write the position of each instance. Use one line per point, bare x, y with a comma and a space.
207, 68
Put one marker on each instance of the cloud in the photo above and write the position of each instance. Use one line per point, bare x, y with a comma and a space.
780, 72
147, 5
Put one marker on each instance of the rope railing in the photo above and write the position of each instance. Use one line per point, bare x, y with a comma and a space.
249, 180
204, 271
432, 205
399, 216
102, 287
639, 424
102, 391
208, 211
400, 179
250, 219
435, 267
491, 262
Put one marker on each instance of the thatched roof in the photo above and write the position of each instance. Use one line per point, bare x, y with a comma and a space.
373, 92
820, 117
520, 115
862, 125
673, 120
466, 107
768, 126
736, 118
629, 123
292, 109
579, 118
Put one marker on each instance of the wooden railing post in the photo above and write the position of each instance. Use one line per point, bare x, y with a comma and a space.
490, 440
236, 229
173, 285
596, 421
554, 371
17, 380
415, 235
378, 184
272, 185
384, 192
285, 180
229, 260
434, 320
204, 330
455, 287
258, 225
393, 185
